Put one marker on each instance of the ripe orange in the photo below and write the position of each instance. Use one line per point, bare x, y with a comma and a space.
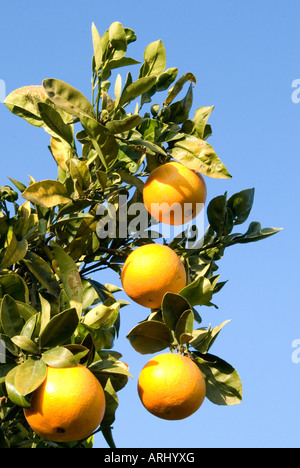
171, 386
150, 272
174, 194
68, 406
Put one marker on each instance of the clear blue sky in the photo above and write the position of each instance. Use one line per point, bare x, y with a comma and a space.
245, 56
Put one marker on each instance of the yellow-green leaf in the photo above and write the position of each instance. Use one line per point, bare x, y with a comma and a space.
47, 193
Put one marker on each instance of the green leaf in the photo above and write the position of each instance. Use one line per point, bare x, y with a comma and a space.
198, 155
59, 357
173, 306
97, 47
30, 376
10, 319
223, 383
154, 60
200, 121
103, 141
47, 193
119, 126
60, 329
150, 337
179, 111
112, 403
184, 327
25, 343
253, 234
199, 292
137, 88
241, 204
101, 315
163, 82
220, 216
55, 123
70, 277
15, 251
118, 40
204, 338
31, 327
175, 90
25, 310
24, 103
80, 172
15, 397
43, 272
110, 366
68, 98
15, 286
123, 62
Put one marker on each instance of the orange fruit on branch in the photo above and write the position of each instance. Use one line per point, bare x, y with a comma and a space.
171, 386
150, 272
68, 406
174, 194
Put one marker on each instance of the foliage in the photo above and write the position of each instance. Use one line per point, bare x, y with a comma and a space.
51, 311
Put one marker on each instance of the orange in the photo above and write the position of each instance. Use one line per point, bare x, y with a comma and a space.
150, 272
174, 194
171, 386
68, 406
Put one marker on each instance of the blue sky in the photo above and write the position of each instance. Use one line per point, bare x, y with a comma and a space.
245, 56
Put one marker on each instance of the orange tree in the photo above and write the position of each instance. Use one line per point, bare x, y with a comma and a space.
52, 311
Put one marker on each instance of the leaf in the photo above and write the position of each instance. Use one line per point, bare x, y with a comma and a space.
154, 59
179, 111
70, 277
61, 152
15, 252
24, 103
241, 204
198, 155
175, 90
220, 216
200, 121
199, 292
10, 319
203, 339
47, 193
253, 234
223, 383
97, 47
60, 329
15, 397
100, 315
15, 286
103, 141
68, 98
43, 272
31, 327
55, 123
25, 343
163, 82
112, 403
118, 40
173, 306
150, 337
124, 125
30, 376
137, 88
80, 173
59, 357
118, 63
184, 327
